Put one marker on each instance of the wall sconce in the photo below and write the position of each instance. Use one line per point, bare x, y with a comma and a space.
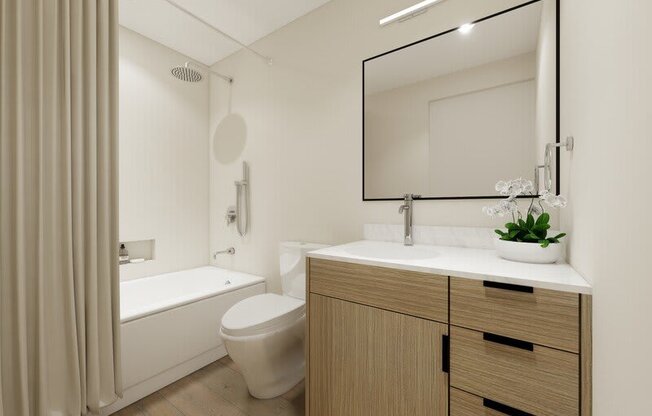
569, 144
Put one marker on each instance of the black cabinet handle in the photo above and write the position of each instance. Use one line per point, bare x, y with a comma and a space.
445, 353
502, 408
516, 343
507, 286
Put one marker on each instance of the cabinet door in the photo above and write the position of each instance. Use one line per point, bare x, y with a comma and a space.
369, 361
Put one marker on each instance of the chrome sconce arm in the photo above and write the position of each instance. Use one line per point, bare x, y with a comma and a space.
569, 144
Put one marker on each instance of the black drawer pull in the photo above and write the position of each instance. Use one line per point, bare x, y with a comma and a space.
445, 353
502, 408
516, 343
507, 286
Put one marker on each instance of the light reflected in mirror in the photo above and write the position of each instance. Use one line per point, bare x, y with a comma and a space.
450, 116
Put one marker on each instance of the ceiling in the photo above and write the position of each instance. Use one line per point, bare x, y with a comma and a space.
501, 37
244, 20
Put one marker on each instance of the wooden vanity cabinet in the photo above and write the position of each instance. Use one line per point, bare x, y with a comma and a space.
382, 341
522, 349
373, 345
412, 293
370, 361
533, 379
544, 317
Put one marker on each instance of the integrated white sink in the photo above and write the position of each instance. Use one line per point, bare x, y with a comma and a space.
390, 251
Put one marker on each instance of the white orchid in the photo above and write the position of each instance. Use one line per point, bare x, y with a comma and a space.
554, 201
534, 225
502, 187
504, 207
490, 211
515, 187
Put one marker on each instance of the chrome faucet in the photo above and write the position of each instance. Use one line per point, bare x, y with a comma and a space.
230, 251
406, 209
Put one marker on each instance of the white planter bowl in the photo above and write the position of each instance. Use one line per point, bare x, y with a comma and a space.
528, 252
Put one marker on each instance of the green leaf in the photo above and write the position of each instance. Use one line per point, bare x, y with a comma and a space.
544, 243
543, 219
540, 233
511, 226
558, 236
500, 233
512, 234
531, 237
541, 227
530, 221
522, 224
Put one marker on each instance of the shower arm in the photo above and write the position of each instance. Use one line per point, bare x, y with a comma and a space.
208, 69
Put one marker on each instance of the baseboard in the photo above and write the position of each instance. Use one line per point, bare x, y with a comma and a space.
153, 384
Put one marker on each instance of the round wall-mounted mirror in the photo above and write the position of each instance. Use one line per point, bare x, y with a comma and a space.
229, 138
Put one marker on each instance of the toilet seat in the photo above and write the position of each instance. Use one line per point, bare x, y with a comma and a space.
262, 314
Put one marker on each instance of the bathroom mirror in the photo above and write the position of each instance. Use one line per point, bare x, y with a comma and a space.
449, 116
229, 138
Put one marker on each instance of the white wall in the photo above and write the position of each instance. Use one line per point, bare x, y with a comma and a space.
471, 133
606, 90
163, 158
304, 127
403, 145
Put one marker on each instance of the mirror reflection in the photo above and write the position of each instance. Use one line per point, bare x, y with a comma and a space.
449, 116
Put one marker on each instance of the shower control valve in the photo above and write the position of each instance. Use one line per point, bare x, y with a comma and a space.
230, 215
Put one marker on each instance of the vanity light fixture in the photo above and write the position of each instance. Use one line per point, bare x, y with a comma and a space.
409, 12
465, 28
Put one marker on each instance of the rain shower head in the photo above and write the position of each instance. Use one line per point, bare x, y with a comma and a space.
185, 73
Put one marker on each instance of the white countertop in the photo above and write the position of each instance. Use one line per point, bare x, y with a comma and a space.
471, 263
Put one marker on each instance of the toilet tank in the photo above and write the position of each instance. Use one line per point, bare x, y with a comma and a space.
293, 266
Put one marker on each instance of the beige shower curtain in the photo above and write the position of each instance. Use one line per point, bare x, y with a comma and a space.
59, 307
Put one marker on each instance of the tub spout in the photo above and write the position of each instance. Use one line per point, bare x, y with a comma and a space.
229, 250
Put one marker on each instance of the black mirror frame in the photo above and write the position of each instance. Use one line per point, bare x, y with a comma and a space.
557, 100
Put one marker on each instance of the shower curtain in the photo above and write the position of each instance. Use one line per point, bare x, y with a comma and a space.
59, 288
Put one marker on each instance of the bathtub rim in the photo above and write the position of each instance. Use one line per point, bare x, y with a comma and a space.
183, 301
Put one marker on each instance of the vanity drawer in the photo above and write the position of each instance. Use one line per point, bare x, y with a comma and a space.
528, 377
423, 295
466, 404
540, 316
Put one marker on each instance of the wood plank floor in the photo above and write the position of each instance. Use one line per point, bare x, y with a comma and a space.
216, 390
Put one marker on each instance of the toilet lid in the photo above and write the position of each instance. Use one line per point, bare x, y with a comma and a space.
261, 313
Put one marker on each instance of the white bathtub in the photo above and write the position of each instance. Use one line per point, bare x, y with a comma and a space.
170, 325
150, 295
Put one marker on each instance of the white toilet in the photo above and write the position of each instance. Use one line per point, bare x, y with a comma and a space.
264, 334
